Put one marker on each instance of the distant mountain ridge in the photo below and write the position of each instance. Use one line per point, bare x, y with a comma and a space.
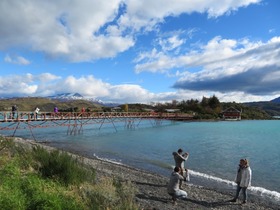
78, 96
67, 96
271, 107
276, 100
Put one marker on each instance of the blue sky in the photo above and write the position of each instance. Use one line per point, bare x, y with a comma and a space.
140, 51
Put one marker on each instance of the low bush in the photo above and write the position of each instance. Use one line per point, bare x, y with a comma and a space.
61, 166
111, 193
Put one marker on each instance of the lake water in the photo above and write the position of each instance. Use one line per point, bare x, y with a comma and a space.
215, 149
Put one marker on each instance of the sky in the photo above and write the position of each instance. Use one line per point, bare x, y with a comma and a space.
141, 51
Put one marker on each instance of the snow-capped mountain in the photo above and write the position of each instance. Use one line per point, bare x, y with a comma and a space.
67, 96
78, 96
73, 96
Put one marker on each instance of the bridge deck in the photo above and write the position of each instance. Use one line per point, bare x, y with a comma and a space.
50, 116
75, 120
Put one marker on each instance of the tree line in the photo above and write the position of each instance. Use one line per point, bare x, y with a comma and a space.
207, 108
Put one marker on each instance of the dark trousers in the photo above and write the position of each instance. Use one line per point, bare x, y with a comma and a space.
244, 192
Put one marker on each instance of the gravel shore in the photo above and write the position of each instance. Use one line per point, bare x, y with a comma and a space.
152, 192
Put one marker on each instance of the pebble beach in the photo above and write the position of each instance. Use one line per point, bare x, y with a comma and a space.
151, 188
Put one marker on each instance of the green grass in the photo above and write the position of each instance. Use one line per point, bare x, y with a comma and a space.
60, 166
38, 179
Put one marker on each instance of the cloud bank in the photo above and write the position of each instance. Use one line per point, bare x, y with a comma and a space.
90, 30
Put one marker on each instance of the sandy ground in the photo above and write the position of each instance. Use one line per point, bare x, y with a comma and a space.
152, 193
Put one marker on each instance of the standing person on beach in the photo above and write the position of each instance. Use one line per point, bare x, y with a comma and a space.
243, 180
173, 185
180, 158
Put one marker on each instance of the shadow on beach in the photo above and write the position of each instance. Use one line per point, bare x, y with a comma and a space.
212, 204
152, 194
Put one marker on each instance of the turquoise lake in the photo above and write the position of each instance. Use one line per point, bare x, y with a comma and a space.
215, 149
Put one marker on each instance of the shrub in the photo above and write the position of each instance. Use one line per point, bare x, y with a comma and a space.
61, 166
109, 193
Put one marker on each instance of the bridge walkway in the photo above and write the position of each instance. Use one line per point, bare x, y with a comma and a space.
75, 120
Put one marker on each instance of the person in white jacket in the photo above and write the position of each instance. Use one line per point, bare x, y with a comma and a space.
243, 180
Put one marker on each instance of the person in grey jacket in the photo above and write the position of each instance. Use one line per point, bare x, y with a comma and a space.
180, 158
173, 185
243, 180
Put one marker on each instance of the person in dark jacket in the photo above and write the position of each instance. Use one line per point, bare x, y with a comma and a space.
14, 110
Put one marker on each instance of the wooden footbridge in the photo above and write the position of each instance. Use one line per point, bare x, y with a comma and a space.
75, 120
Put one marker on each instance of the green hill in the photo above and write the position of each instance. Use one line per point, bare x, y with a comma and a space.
46, 104
270, 107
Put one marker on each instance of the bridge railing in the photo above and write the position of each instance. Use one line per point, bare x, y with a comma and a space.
7, 116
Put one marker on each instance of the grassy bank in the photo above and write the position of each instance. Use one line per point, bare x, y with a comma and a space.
39, 179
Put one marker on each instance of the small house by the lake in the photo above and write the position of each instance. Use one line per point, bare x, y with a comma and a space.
231, 114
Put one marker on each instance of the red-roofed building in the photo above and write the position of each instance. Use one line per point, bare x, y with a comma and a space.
231, 114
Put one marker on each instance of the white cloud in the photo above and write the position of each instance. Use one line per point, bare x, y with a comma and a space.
16, 60
221, 65
218, 58
47, 77
88, 86
47, 84
171, 43
146, 14
229, 66
21, 85
62, 29
92, 29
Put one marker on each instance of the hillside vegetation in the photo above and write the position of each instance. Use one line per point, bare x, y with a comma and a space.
47, 105
207, 108
271, 108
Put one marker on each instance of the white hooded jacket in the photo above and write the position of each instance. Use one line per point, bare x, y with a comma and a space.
246, 176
